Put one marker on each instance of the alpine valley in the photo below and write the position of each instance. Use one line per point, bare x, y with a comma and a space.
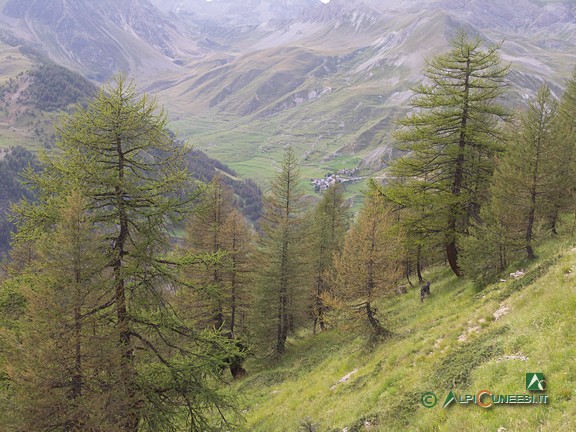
241, 80
148, 288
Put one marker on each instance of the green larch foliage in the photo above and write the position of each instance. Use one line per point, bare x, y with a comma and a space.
370, 263
531, 185
205, 234
219, 296
63, 356
328, 227
451, 137
566, 170
528, 177
119, 155
281, 292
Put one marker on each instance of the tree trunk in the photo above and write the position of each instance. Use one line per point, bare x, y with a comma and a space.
529, 250
218, 310
283, 316
77, 376
216, 276
451, 250
370, 285
502, 256
533, 195
419, 265
452, 256
374, 322
281, 324
319, 308
407, 271
131, 419
233, 299
554, 220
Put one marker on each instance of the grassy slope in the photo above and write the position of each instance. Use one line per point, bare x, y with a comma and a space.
426, 355
12, 62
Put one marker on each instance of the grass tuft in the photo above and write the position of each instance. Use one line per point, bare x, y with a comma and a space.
455, 370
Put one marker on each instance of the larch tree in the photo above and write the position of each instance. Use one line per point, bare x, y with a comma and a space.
566, 170
219, 294
567, 106
491, 244
419, 240
529, 179
451, 136
370, 262
530, 186
240, 249
64, 355
205, 234
120, 156
281, 292
329, 224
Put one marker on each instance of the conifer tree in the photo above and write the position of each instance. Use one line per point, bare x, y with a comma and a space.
281, 302
490, 246
529, 178
418, 239
240, 272
64, 357
219, 297
205, 234
565, 197
370, 262
328, 228
529, 189
118, 153
452, 136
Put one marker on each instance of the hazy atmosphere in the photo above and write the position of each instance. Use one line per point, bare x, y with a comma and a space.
290, 215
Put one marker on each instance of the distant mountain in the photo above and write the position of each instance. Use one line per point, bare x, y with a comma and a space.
14, 160
331, 79
248, 12
243, 79
31, 101
100, 37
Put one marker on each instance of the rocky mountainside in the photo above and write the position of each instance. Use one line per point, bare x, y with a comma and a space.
99, 38
242, 79
332, 78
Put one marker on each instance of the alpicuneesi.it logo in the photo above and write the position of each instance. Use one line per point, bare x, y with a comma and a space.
535, 382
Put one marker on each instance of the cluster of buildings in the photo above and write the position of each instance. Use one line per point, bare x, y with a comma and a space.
342, 176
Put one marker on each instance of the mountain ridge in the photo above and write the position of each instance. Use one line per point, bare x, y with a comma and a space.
244, 79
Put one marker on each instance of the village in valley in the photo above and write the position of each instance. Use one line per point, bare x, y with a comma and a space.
345, 175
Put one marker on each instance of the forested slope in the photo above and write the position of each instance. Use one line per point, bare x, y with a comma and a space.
461, 339
315, 315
